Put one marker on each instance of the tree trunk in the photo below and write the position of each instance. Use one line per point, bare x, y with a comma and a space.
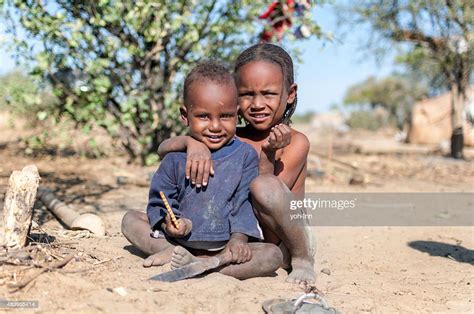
18, 207
457, 106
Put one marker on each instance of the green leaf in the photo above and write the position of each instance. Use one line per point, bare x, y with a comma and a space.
42, 115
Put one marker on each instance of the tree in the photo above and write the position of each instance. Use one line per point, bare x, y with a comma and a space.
120, 64
424, 70
396, 94
441, 31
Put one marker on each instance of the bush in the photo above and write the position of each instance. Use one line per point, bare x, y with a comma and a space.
24, 97
368, 120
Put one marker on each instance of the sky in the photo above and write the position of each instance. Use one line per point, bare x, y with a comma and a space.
326, 70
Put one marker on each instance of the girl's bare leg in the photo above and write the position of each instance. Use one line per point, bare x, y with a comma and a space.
270, 198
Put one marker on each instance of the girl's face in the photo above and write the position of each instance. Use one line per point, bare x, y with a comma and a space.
262, 95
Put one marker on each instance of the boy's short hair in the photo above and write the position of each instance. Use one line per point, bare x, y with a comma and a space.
213, 71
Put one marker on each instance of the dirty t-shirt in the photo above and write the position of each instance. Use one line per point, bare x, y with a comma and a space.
220, 209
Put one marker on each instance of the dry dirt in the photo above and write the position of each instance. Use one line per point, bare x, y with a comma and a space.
372, 269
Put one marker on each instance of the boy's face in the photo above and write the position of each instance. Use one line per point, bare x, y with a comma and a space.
211, 113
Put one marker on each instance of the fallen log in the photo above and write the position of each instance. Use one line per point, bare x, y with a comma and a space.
18, 206
68, 216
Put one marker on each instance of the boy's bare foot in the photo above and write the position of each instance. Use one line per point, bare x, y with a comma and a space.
159, 259
302, 271
181, 257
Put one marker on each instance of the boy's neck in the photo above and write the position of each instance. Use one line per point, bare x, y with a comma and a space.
225, 144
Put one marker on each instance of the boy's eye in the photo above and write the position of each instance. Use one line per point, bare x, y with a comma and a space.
202, 116
270, 94
227, 115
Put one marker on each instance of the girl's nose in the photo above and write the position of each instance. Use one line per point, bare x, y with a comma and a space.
257, 103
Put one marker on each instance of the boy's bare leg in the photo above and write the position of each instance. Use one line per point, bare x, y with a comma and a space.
136, 229
266, 259
270, 201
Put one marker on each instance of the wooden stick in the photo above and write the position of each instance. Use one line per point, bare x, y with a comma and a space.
69, 216
168, 209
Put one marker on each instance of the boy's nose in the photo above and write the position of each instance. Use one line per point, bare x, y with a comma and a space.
215, 125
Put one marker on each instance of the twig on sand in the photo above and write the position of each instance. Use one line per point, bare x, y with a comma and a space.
107, 260
94, 265
26, 280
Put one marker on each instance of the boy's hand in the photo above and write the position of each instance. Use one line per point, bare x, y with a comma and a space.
279, 137
184, 227
239, 248
199, 165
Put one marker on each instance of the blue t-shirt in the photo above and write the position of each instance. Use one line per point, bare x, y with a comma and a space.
220, 209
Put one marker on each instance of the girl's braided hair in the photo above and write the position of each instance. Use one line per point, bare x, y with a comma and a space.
273, 54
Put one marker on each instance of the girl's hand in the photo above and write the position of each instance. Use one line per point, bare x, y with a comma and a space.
184, 227
239, 248
199, 165
279, 137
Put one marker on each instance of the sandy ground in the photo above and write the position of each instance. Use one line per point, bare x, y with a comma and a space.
372, 269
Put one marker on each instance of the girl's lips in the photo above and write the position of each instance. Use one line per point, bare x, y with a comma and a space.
259, 117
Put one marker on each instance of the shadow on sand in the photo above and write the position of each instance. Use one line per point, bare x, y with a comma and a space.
451, 251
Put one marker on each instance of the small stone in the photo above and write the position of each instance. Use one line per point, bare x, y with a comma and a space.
357, 179
121, 291
326, 271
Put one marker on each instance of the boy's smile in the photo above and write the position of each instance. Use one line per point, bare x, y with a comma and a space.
262, 97
211, 114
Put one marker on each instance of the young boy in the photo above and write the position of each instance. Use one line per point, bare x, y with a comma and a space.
218, 217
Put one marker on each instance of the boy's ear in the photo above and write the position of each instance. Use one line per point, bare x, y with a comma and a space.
292, 94
184, 114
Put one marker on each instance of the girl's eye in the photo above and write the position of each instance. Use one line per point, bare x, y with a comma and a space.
227, 116
246, 94
270, 94
202, 116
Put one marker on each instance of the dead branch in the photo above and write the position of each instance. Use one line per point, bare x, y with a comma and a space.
26, 280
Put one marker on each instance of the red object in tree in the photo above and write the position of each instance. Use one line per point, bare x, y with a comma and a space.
266, 35
279, 15
265, 15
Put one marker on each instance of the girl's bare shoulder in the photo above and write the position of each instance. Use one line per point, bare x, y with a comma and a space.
299, 142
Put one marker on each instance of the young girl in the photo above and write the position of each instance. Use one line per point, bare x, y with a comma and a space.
267, 100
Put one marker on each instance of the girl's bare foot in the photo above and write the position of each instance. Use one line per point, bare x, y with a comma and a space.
302, 271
